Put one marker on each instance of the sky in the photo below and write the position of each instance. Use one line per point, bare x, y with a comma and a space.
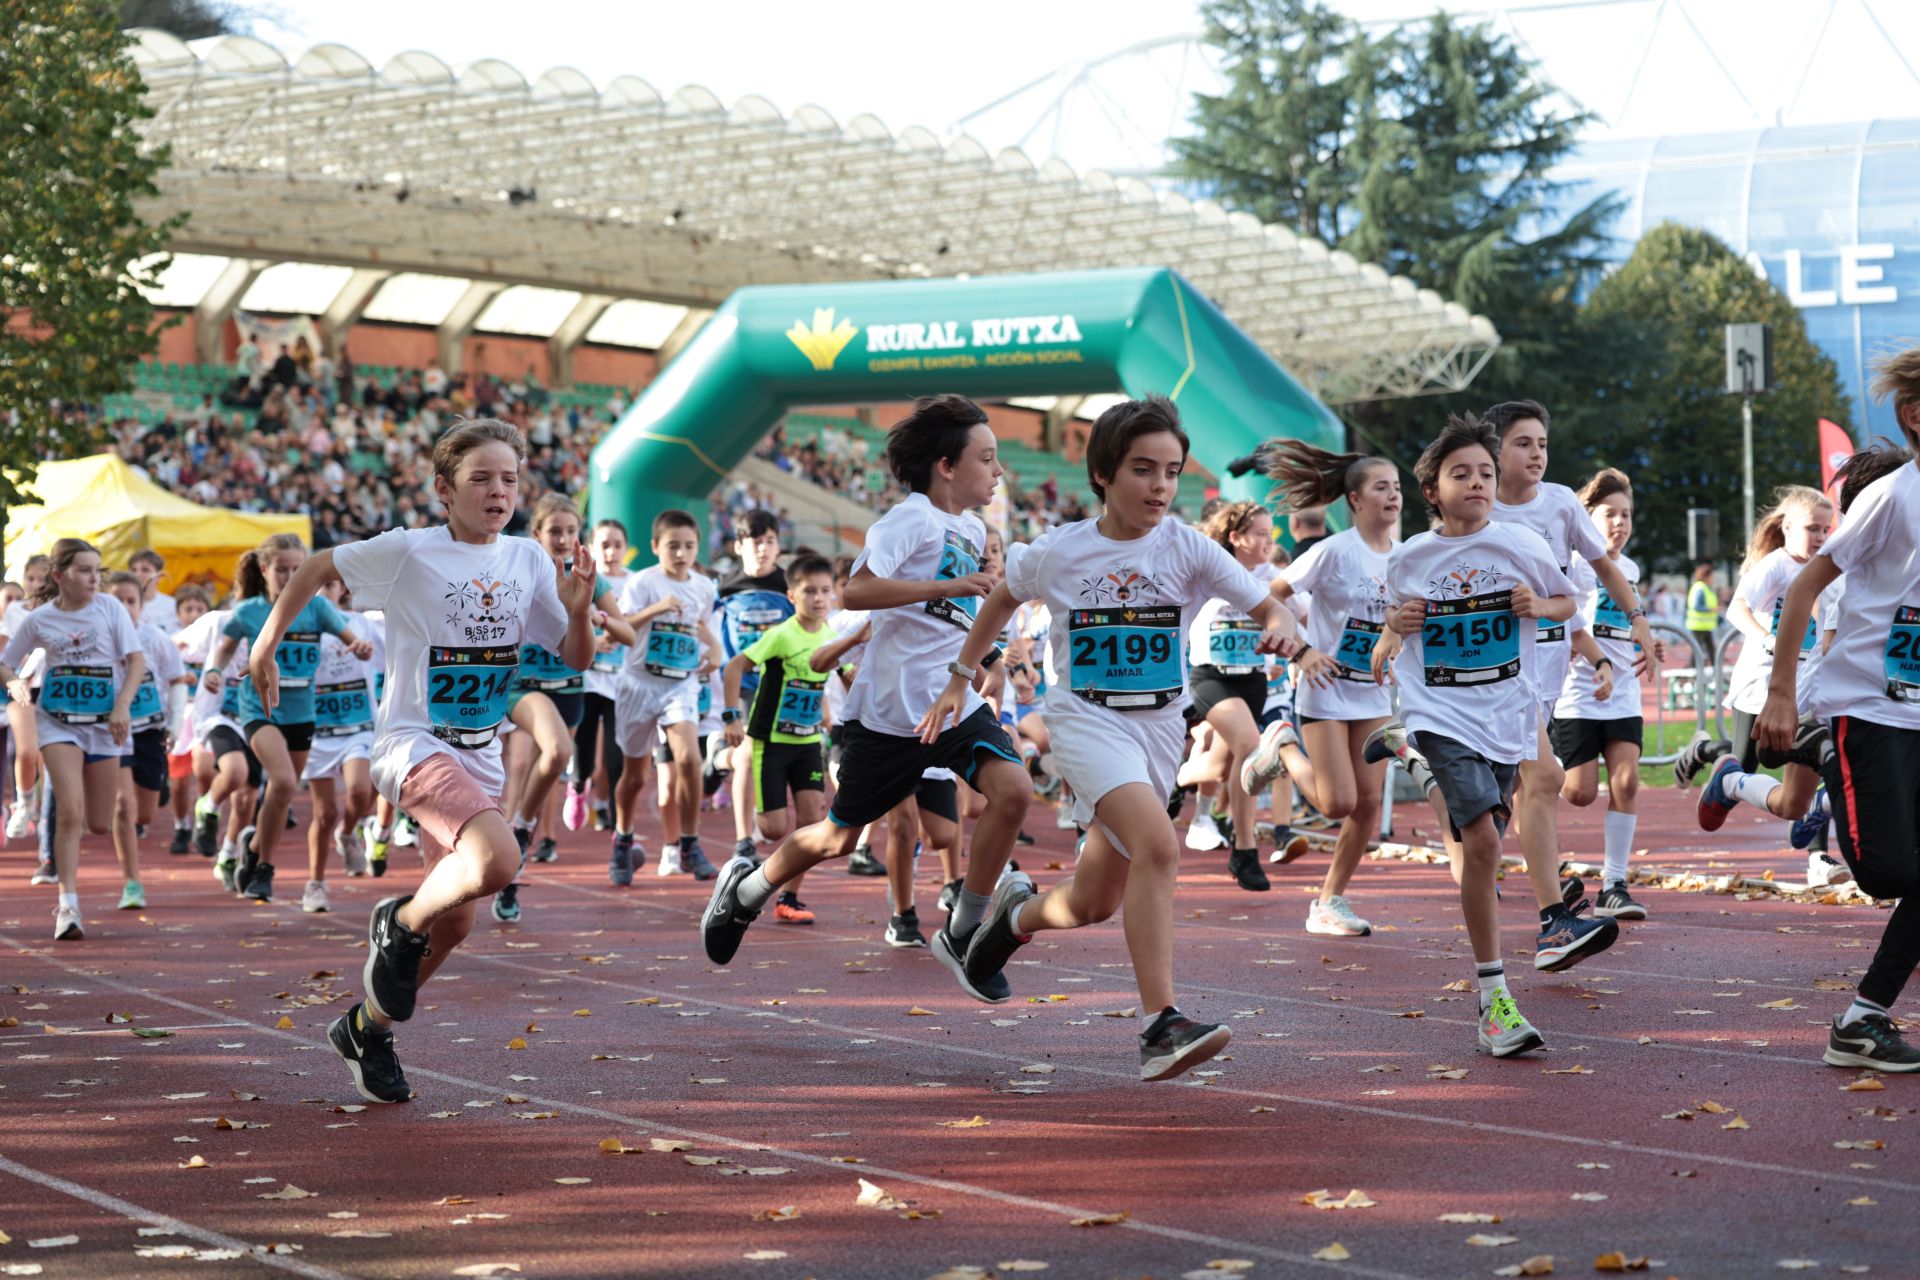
1102, 83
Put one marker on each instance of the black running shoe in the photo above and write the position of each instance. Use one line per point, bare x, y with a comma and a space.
206, 833
951, 950
1177, 801
602, 818
950, 894
1022, 839
725, 922
506, 904
1572, 888
248, 861
994, 942
1244, 866
1701, 750
863, 863
260, 883
620, 863
368, 1052
182, 841
1175, 1043
1810, 739
548, 850
903, 930
1565, 939
695, 862
1872, 1042
523, 836
1617, 903
391, 976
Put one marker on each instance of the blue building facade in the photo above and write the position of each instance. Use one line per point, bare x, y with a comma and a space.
1829, 213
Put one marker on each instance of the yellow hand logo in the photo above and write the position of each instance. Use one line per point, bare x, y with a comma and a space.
823, 343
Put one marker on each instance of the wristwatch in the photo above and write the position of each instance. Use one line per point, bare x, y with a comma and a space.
729, 715
1636, 612
962, 670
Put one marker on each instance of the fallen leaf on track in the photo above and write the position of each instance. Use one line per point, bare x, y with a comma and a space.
1592, 1196
1540, 1264
873, 1197
1023, 1264
196, 1162
516, 1043
1796, 1264
1863, 1144
1575, 1070
615, 1147
1862, 1202
1354, 1199
703, 1161
573, 1182
763, 1255
489, 1269
785, 1213
1736, 1123
978, 1122
285, 1023
1102, 1219
1468, 1217
1039, 1069
1490, 1242
1619, 1262
288, 1192
1866, 1084
1335, 1252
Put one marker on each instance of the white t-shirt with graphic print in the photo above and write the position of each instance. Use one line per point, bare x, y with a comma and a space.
1347, 580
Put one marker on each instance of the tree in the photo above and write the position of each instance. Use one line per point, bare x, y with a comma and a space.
187, 19
1658, 408
73, 250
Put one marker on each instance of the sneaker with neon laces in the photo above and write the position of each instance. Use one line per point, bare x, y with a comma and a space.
903, 930
1566, 939
620, 863
314, 899
696, 861
1174, 1044
226, 869
367, 1049
43, 872
669, 864
1813, 821
377, 857
1824, 870
1616, 903
133, 897
788, 909
506, 904
66, 924
1334, 918
1503, 1032
724, 923
1872, 1042
1701, 750
1288, 846
1203, 833
1715, 803
576, 809
206, 828
1264, 765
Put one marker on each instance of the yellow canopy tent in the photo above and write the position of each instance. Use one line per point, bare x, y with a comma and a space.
120, 511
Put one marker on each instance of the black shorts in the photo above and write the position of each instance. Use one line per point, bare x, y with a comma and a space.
1471, 783
836, 746
879, 770
148, 759
663, 754
223, 741
1210, 689
1575, 742
939, 797
299, 736
780, 767
1873, 783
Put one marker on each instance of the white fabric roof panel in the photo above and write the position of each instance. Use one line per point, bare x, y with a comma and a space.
486, 173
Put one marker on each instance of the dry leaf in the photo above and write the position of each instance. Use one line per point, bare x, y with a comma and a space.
1102, 1219
785, 1213
918, 1012
1039, 1069
573, 1182
1468, 1217
768, 1171
1736, 1123
1540, 1264
667, 1144
1335, 1252
1862, 1144
516, 1043
488, 1269
224, 1124
1412, 1013
1618, 1261
1258, 1110
1787, 1003
1490, 1242
763, 1255
195, 1162
977, 1122
1863, 1201
1796, 1264
1129, 1012
1022, 1264
1865, 1084
703, 1161
1575, 1070
615, 1147
1677, 1115
450, 1201
1593, 1197
1354, 1199
288, 1192
583, 1013
873, 1197
285, 1023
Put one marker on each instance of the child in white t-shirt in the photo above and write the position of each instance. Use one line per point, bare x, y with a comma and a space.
1123, 589
459, 601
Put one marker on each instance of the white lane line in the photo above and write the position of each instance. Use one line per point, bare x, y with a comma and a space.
133, 1212
1053, 1209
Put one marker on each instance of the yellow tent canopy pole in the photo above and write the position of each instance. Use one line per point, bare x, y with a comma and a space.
106, 501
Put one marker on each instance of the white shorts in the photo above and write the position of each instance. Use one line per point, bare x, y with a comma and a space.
92, 739
1094, 756
646, 705
329, 754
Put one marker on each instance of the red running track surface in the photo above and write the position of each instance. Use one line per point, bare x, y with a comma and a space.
802, 1068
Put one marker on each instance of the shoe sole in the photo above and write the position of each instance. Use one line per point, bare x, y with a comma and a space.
905, 944
1336, 931
72, 933
314, 911
957, 966
1592, 944
1533, 1040
1634, 912
713, 903
1712, 816
1841, 1058
353, 1066
1191, 1055
1294, 850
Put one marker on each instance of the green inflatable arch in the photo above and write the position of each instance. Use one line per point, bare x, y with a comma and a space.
774, 348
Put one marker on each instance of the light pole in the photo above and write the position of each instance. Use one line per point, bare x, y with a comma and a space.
1749, 373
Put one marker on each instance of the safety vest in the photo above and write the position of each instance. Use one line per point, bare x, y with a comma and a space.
1703, 608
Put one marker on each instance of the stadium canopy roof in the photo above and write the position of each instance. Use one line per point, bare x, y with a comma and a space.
567, 190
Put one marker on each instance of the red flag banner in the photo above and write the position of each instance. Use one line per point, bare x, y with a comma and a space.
1836, 446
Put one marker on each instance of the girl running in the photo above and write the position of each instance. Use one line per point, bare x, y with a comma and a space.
21, 718
597, 772
1868, 686
1339, 704
191, 603
158, 702
459, 602
280, 736
94, 665
229, 770
1126, 588
342, 754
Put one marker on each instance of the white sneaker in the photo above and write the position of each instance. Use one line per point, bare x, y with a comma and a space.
1063, 818
1260, 769
1824, 869
19, 821
349, 844
1335, 918
669, 864
315, 898
1203, 833
404, 835
66, 924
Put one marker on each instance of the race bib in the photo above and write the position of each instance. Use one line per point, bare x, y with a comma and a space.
609, 662
1126, 659
146, 711
1550, 632
467, 692
705, 705
298, 657
1609, 619
340, 710
1472, 641
542, 671
1355, 654
800, 706
78, 695
1903, 655
957, 560
672, 652
1231, 645
230, 699
1813, 628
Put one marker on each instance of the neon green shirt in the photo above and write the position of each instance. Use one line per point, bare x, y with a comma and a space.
789, 705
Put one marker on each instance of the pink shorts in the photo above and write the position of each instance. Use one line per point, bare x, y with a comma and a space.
441, 798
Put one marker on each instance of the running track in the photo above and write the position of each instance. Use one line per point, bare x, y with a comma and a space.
800, 1070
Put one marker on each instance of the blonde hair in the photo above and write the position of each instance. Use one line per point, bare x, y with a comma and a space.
549, 506
1230, 518
469, 435
65, 552
1896, 374
250, 574
1771, 533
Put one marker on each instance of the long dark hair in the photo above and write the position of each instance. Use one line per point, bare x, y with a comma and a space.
65, 552
250, 574
1307, 476
1462, 430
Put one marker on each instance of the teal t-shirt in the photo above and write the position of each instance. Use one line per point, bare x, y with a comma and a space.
298, 656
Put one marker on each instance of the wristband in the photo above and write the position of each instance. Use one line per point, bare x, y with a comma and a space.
1302, 652
1604, 662
993, 656
1636, 613
730, 715
962, 670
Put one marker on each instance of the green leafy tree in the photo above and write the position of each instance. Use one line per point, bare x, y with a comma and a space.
1657, 407
73, 250
187, 19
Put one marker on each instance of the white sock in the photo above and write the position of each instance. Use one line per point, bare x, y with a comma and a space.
1754, 788
1492, 977
70, 900
1861, 1008
1619, 846
228, 850
183, 824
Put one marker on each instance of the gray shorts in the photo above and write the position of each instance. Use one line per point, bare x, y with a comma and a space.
1471, 783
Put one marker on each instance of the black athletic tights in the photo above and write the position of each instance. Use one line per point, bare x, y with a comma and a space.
597, 721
